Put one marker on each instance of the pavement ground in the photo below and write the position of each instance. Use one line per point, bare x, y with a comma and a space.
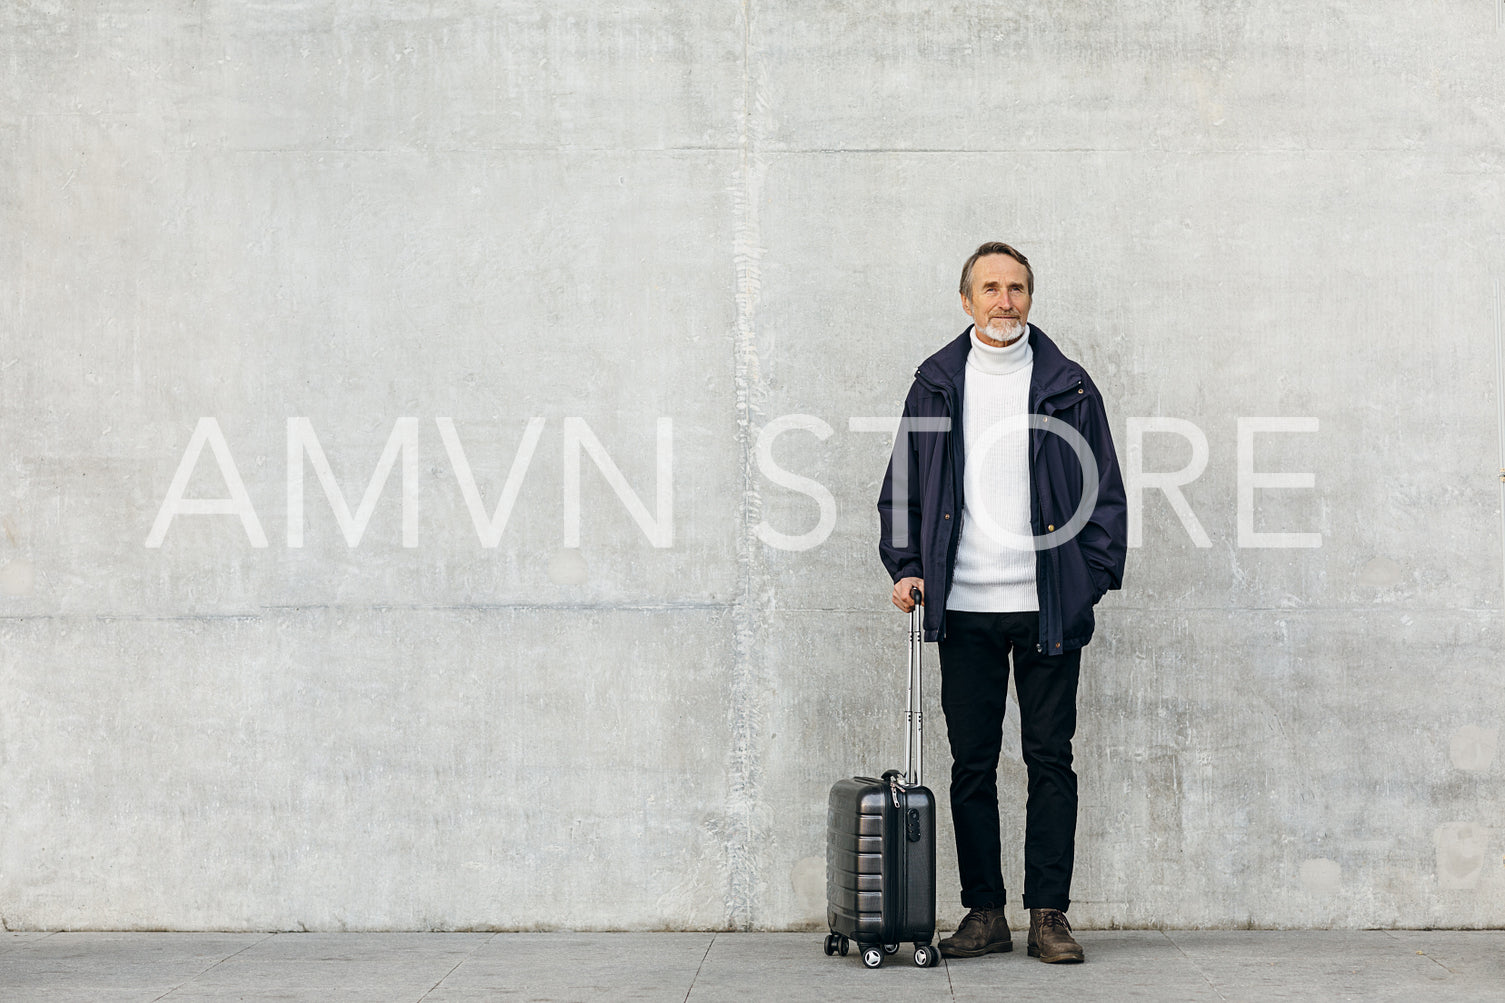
1172, 965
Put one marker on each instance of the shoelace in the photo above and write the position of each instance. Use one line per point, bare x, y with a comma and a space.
973, 916
1054, 918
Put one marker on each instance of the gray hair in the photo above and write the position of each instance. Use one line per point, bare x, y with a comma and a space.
994, 247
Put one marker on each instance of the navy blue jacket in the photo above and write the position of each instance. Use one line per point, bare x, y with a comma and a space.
1070, 577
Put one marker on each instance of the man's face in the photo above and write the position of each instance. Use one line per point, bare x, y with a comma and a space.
1000, 299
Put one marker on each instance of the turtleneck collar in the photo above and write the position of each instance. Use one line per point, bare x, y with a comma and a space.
999, 361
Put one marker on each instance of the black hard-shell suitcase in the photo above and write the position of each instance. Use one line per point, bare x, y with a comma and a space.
880, 849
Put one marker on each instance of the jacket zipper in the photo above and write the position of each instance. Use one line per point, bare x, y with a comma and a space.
1053, 615
954, 450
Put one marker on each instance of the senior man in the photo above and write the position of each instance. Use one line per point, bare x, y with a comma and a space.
1004, 505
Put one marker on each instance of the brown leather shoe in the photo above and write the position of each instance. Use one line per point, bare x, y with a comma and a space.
1050, 937
983, 931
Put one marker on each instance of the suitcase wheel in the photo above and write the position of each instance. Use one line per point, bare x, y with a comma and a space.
890, 948
925, 956
872, 957
830, 944
843, 946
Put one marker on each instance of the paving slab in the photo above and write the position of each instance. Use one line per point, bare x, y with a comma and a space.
1122, 964
357, 948
283, 994
793, 966
10, 941
578, 966
403, 992
1303, 964
73, 994
113, 965
1339, 964
404, 976
1470, 954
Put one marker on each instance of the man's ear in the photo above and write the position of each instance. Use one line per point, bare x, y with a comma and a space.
966, 305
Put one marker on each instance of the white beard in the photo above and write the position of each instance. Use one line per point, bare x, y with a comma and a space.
1005, 331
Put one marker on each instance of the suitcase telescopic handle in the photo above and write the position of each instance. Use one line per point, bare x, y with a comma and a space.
914, 717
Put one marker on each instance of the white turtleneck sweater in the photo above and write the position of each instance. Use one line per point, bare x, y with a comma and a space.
995, 571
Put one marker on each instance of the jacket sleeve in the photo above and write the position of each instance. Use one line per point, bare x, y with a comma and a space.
901, 561
1104, 539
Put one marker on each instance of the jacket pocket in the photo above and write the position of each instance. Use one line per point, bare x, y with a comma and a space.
1080, 591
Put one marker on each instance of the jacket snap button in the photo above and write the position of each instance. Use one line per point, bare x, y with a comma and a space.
1051, 528
1080, 390
948, 515
1058, 644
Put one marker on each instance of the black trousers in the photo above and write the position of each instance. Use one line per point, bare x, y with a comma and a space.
974, 688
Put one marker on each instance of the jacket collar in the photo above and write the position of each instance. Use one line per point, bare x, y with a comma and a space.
1053, 371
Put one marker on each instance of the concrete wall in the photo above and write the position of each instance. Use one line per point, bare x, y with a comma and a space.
723, 214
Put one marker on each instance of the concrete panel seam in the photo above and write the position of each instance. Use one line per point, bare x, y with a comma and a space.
1195, 967
219, 962
1409, 609
698, 967
1500, 418
456, 967
326, 151
1137, 151
264, 611
748, 685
